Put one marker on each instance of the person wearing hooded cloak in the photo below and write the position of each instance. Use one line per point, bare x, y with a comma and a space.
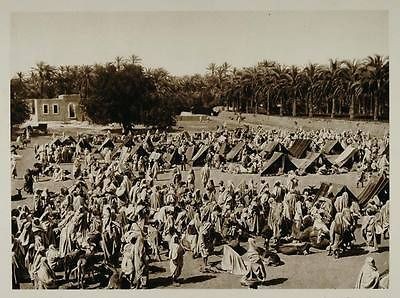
176, 253
256, 271
368, 278
28, 185
205, 174
205, 243
140, 263
127, 266
341, 225
67, 226
45, 276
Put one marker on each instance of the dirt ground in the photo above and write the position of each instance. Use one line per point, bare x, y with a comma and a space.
314, 271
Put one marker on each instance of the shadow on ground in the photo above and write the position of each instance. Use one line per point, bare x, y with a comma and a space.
197, 279
275, 281
156, 269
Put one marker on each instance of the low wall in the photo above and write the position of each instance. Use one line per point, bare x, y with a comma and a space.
191, 118
374, 128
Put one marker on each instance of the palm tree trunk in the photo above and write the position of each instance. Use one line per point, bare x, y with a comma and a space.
340, 106
371, 105
333, 107
364, 106
294, 108
281, 107
306, 102
41, 89
351, 111
376, 108
310, 106
327, 106
268, 103
256, 105
360, 105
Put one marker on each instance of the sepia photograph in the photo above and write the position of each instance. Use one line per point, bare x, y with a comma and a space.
199, 150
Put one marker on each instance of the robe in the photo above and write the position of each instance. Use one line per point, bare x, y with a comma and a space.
255, 266
140, 263
127, 266
176, 253
67, 233
45, 276
368, 277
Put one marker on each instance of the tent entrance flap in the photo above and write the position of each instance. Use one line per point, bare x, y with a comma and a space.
278, 162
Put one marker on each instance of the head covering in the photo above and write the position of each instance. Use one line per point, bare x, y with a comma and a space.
369, 275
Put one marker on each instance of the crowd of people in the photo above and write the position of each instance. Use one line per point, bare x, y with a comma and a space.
118, 215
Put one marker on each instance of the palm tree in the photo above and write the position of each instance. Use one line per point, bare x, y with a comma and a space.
86, 77
332, 82
21, 89
45, 74
352, 76
211, 68
265, 68
327, 84
134, 59
294, 80
249, 83
162, 80
374, 76
119, 62
223, 72
279, 86
311, 75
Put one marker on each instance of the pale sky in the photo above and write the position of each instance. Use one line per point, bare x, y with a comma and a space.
186, 42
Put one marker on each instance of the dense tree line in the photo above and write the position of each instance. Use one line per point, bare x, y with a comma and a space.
126, 92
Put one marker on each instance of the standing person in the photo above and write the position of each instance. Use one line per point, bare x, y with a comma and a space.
67, 230
205, 174
13, 167
239, 118
177, 176
298, 217
183, 161
76, 168
176, 253
368, 230
205, 243
140, 263
369, 275
275, 217
28, 185
127, 266
338, 229
45, 276
155, 169
27, 133
190, 178
182, 157
342, 202
153, 240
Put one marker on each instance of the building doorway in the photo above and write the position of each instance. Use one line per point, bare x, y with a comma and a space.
71, 111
